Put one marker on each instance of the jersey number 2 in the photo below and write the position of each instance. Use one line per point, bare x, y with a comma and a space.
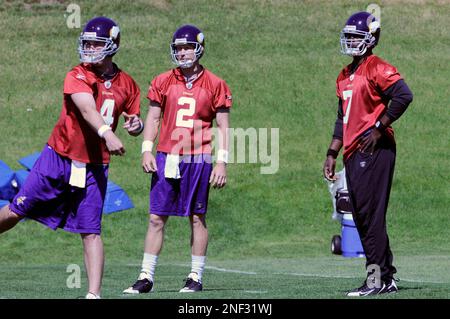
347, 95
182, 113
107, 111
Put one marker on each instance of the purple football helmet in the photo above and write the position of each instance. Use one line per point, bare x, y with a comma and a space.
187, 34
361, 32
99, 29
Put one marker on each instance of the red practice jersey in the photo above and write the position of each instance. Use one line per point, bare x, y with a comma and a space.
362, 102
72, 136
188, 111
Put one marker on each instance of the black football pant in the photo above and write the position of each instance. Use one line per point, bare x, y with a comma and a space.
369, 180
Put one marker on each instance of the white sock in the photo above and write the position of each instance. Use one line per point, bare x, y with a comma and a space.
198, 265
148, 266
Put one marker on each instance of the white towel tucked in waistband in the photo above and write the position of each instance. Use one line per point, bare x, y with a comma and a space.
172, 169
78, 174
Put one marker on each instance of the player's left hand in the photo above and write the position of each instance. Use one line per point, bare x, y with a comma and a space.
133, 124
218, 177
369, 142
329, 167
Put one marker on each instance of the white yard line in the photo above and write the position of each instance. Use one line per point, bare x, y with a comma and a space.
236, 271
231, 270
207, 267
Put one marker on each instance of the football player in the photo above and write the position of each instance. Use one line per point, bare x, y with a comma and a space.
66, 187
372, 94
185, 100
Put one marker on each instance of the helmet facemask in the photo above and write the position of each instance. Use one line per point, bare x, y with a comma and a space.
89, 55
198, 52
355, 42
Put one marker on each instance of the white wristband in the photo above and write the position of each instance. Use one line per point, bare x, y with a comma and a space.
222, 155
147, 146
101, 131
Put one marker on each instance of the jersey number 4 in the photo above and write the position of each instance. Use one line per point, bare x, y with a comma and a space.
347, 95
107, 111
183, 113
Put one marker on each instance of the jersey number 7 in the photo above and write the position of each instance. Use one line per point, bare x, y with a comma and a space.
347, 95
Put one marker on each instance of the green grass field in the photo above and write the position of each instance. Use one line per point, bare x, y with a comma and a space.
286, 278
269, 234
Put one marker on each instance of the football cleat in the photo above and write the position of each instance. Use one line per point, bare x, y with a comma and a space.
365, 290
391, 286
141, 286
192, 283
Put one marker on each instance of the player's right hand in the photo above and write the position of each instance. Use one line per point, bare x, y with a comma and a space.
149, 162
329, 168
113, 143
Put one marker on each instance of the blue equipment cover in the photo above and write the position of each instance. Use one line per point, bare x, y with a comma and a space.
21, 176
7, 190
28, 161
116, 199
3, 203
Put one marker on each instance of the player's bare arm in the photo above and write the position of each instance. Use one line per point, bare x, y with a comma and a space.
218, 177
151, 128
86, 104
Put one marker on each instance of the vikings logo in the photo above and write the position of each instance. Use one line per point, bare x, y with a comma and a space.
20, 200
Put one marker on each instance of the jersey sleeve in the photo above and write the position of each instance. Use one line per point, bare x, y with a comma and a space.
154, 91
383, 75
222, 96
338, 80
76, 82
134, 100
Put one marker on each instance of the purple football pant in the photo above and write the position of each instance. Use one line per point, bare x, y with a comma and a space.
185, 196
48, 198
